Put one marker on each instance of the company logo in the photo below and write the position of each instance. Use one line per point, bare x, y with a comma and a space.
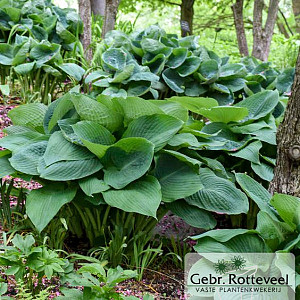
240, 276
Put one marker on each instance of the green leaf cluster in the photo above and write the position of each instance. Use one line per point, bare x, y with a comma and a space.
154, 64
136, 154
41, 20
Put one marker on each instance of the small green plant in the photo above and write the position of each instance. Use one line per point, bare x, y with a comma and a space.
98, 283
30, 264
26, 294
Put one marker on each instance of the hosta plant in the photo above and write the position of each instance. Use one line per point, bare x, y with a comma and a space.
36, 68
41, 20
154, 64
136, 155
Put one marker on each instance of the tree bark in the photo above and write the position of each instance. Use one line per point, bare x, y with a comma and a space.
98, 7
110, 17
257, 29
186, 17
86, 37
237, 10
287, 171
296, 10
262, 36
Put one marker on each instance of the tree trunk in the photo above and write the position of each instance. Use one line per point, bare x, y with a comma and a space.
186, 17
110, 17
257, 50
237, 10
262, 37
296, 10
98, 7
86, 37
287, 171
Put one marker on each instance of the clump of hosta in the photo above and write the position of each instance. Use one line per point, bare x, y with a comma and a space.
154, 64
137, 155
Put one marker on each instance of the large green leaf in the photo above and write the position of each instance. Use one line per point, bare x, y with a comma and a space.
67, 131
6, 54
138, 88
91, 110
93, 185
27, 159
266, 135
177, 57
142, 196
29, 115
192, 215
260, 104
194, 104
94, 136
173, 80
285, 80
157, 128
190, 65
126, 161
172, 108
255, 191
72, 70
250, 152
194, 89
263, 170
218, 195
69, 170
231, 241
17, 141
183, 140
24, 69
115, 58
229, 71
135, 107
124, 74
43, 204
44, 52
288, 208
209, 71
39, 33
272, 230
59, 149
154, 46
192, 162
21, 54
224, 114
143, 76
57, 110
66, 36
177, 179
5, 167
156, 64
249, 128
